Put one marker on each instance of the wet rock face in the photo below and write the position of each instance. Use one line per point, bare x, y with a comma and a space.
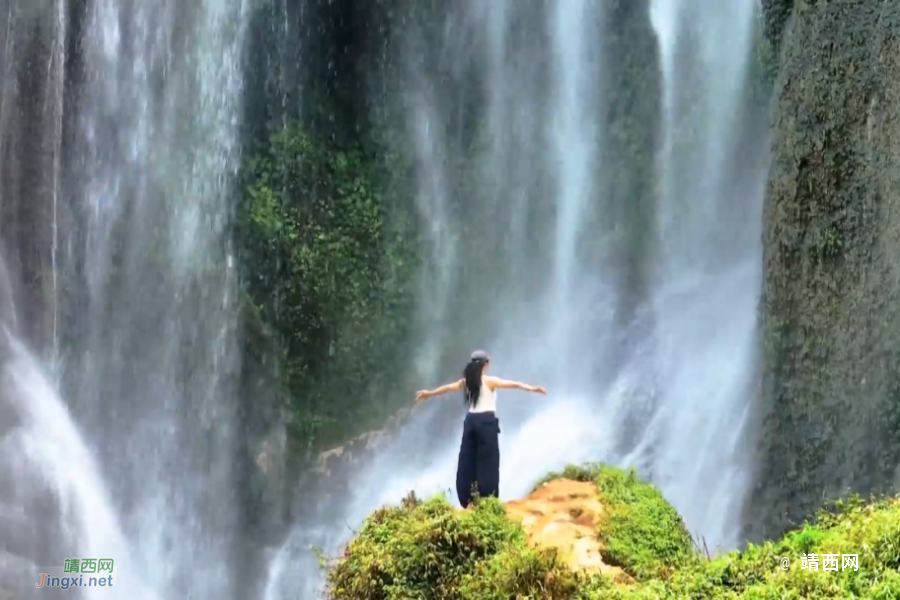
565, 514
831, 299
358, 450
776, 14
330, 476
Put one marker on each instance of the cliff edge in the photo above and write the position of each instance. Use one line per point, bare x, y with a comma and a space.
565, 515
597, 532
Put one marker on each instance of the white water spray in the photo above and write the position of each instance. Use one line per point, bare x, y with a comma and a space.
157, 363
139, 466
686, 378
708, 279
58, 501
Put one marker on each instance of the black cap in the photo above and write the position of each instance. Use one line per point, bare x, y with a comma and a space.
480, 356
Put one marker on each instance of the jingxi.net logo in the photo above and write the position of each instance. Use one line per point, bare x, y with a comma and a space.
84, 572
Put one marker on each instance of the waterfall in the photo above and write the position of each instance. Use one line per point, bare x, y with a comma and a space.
709, 266
54, 505
572, 134
595, 225
120, 155
589, 181
155, 376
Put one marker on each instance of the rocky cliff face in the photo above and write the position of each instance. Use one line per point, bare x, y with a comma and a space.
831, 297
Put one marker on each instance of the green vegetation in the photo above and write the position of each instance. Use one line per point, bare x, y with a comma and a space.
830, 323
430, 550
643, 533
328, 277
776, 14
869, 530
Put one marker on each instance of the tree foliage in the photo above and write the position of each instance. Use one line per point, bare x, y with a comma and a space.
328, 270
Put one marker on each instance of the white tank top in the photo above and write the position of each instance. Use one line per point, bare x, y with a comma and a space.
487, 400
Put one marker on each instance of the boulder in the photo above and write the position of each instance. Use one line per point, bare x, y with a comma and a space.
565, 515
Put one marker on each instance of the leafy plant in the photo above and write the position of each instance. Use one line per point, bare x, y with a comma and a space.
642, 532
431, 550
327, 268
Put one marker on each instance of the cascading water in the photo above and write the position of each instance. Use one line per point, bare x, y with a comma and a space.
139, 467
632, 303
155, 376
573, 142
534, 256
709, 269
54, 502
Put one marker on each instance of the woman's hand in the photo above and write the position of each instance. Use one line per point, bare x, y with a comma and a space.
422, 395
540, 390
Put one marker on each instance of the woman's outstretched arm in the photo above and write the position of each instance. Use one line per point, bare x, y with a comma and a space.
449, 387
506, 384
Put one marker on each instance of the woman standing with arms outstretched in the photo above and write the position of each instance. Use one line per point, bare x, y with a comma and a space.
479, 452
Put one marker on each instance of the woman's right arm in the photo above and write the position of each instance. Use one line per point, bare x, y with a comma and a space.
505, 384
449, 387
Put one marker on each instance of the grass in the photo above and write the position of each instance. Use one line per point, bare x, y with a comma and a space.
642, 532
428, 550
425, 550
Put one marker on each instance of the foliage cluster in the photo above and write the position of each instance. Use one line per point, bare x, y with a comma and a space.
328, 269
431, 550
775, 16
642, 532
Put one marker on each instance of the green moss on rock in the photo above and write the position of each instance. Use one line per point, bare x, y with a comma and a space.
328, 267
775, 18
642, 532
429, 549
432, 550
870, 531
831, 251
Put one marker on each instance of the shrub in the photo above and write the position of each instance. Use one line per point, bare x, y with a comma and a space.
642, 532
432, 550
429, 549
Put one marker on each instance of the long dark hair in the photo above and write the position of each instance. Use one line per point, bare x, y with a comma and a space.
472, 374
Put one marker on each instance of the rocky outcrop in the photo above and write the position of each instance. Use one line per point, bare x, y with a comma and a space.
356, 450
831, 298
330, 474
565, 514
531, 548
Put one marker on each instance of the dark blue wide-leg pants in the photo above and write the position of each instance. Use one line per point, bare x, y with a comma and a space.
479, 457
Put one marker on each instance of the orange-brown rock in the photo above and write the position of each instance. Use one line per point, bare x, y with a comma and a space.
565, 514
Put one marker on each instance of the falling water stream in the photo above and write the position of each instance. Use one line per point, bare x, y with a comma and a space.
139, 460
525, 254
645, 342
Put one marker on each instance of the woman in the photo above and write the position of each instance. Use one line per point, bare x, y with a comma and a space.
479, 452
